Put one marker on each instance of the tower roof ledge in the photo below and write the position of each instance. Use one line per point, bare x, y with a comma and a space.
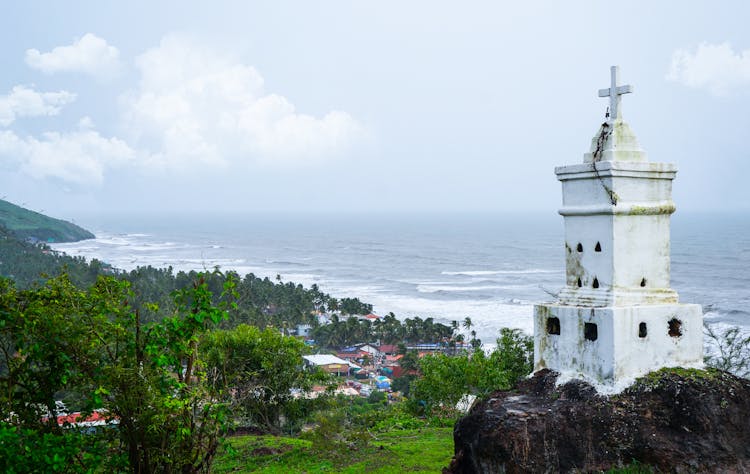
621, 208
601, 169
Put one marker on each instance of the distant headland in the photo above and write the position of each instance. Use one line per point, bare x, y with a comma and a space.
36, 227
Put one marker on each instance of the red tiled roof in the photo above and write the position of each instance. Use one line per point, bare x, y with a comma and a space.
95, 418
395, 358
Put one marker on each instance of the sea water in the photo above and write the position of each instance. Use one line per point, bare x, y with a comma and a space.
489, 267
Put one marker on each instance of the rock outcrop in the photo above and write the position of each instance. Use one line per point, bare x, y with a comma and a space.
675, 420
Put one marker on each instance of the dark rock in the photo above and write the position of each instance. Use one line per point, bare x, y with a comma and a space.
675, 420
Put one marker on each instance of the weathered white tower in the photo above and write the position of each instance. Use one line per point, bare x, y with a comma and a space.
617, 318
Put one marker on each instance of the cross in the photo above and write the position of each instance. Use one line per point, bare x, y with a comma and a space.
614, 92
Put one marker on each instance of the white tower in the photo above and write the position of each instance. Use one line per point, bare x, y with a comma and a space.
617, 318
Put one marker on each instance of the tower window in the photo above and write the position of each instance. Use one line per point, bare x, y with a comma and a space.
553, 326
642, 330
643, 282
675, 327
580, 283
590, 332
579, 247
596, 283
598, 247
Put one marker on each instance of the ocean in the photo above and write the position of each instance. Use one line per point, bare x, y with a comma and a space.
489, 267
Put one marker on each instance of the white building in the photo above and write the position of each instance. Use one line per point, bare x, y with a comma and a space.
617, 317
330, 363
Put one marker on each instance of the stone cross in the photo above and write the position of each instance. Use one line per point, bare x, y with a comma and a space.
614, 92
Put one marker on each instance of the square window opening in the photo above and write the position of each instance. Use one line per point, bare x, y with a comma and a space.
590, 332
553, 326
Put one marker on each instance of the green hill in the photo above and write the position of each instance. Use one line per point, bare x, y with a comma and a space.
26, 224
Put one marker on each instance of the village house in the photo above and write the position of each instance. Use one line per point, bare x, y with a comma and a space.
388, 349
330, 363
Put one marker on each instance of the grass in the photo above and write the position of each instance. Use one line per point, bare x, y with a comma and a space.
633, 468
419, 450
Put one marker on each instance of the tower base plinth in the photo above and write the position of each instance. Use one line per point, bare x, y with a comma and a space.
610, 345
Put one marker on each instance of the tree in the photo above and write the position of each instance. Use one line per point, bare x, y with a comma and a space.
410, 361
167, 416
728, 350
446, 379
42, 347
514, 354
256, 372
92, 348
476, 344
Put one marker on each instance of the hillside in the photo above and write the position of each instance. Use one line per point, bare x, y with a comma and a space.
26, 224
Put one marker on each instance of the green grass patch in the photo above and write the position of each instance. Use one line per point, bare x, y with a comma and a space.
418, 450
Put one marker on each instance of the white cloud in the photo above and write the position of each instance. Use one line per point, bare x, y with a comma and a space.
90, 55
77, 157
85, 123
714, 67
194, 105
24, 101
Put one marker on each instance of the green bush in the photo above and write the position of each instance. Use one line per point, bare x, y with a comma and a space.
446, 379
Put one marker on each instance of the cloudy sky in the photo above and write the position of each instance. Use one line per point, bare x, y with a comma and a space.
345, 106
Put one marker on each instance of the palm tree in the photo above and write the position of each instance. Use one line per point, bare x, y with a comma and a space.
475, 343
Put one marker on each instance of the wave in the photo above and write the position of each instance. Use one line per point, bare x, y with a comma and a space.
151, 247
449, 288
113, 241
300, 277
497, 272
285, 263
488, 316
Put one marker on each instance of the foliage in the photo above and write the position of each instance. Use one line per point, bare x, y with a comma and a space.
403, 384
424, 450
255, 371
44, 351
25, 450
445, 380
260, 301
335, 434
25, 262
93, 348
29, 224
388, 330
634, 467
514, 354
353, 424
728, 350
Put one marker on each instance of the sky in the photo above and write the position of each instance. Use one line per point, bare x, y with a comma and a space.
360, 107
